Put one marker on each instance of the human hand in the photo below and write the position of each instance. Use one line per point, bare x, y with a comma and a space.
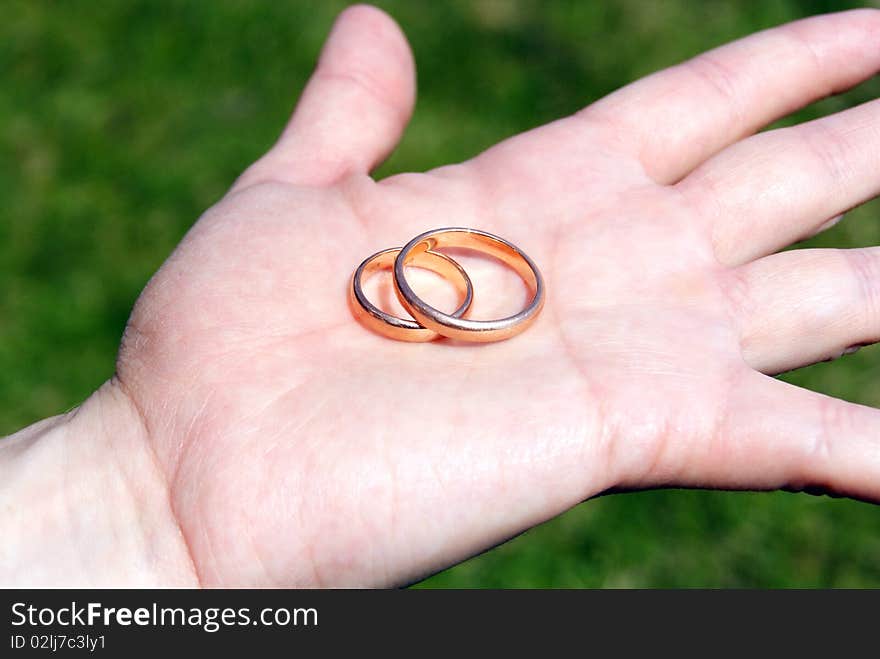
280, 443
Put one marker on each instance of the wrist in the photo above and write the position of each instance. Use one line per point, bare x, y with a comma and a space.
84, 502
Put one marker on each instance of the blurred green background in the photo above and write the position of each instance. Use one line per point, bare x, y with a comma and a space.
120, 122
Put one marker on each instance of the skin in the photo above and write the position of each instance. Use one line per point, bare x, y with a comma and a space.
255, 434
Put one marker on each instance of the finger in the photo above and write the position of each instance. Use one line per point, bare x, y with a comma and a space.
677, 118
808, 305
783, 436
354, 108
774, 188
772, 435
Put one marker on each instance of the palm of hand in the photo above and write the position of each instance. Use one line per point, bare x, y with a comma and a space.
301, 448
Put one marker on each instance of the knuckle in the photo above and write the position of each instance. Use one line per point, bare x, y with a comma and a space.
738, 294
863, 266
716, 76
829, 148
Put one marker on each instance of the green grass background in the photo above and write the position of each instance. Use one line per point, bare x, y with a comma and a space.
120, 122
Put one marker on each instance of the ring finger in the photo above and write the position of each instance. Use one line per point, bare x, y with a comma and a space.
804, 306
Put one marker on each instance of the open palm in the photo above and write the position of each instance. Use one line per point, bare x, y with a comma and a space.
300, 448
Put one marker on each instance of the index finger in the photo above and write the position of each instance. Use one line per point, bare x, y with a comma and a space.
675, 119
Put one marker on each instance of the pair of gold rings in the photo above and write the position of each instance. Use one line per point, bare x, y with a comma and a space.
431, 323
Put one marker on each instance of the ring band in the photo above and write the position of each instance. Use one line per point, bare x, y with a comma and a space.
400, 328
451, 326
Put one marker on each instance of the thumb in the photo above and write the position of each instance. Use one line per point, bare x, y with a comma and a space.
353, 109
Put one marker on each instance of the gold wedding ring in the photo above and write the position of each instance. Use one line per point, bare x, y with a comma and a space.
400, 328
430, 322
463, 329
